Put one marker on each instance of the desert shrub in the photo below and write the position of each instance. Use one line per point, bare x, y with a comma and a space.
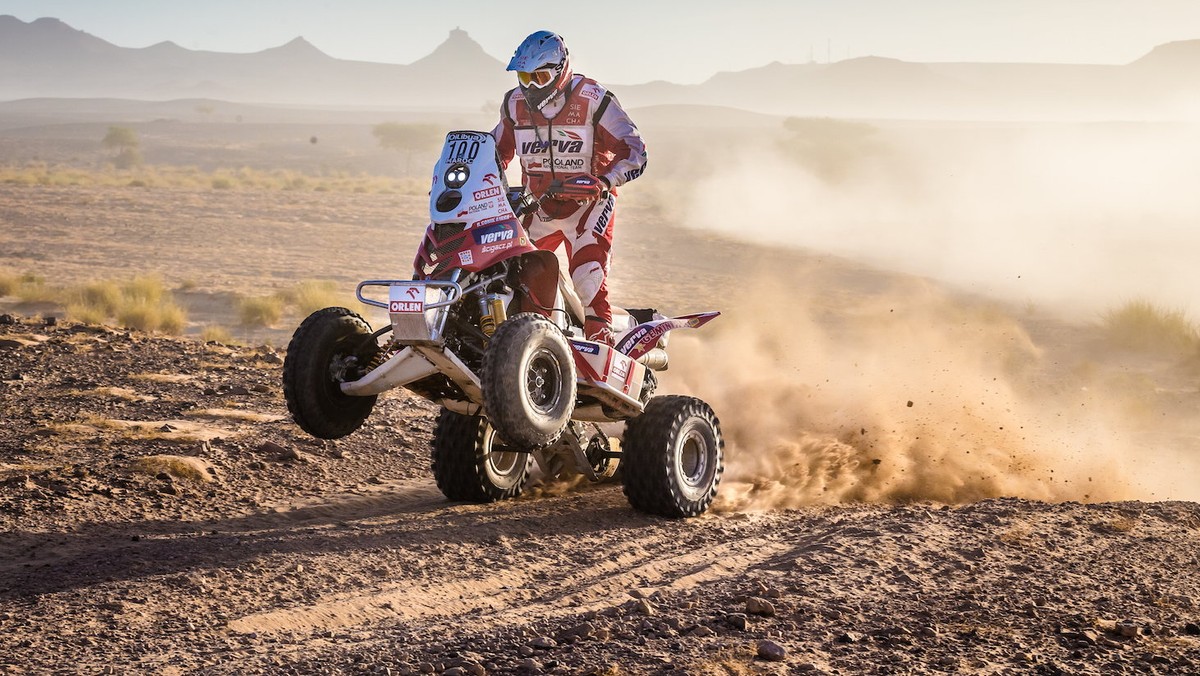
312, 295
216, 334
260, 310
32, 288
9, 283
172, 318
101, 296
139, 303
85, 314
140, 316
148, 288
1142, 325
222, 183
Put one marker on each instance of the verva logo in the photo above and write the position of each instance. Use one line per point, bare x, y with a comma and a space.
560, 145
494, 191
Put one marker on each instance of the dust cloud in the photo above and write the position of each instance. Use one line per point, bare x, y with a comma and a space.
909, 395
1071, 217
918, 391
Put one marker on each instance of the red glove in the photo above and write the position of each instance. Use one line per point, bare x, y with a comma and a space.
581, 188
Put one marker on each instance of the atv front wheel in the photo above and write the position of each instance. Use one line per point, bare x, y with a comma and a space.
330, 347
472, 464
672, 457
528, 381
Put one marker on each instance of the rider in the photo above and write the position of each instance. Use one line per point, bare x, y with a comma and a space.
576, 146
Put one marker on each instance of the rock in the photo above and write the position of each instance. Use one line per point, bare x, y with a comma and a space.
581, 631
644, 607
850, 637
1191, 629
1127, 629
531, 666
50, 321
738, 621
543, 643
271, 358
7, 344
771, 651
643, 593
701, 631
760, 606
7, 320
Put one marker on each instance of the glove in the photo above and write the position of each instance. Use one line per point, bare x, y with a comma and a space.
581, 188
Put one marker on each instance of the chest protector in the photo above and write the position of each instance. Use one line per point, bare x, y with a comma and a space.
562, 146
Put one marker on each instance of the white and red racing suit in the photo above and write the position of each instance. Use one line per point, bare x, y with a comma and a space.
583, 130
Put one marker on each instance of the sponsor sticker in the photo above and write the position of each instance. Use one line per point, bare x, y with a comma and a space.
407, 300
496, 233
465, 257
493, 248
620, 367
493, 191
585, 348
406, 307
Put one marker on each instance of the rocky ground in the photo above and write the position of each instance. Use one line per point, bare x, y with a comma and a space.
160, 514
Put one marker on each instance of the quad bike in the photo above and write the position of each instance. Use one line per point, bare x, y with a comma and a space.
490, 328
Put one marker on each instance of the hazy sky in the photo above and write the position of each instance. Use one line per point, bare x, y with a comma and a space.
634, 41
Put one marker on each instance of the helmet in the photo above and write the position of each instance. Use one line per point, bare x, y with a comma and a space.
543, 67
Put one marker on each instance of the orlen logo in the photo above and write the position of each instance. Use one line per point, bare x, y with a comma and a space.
494, 191
408, 306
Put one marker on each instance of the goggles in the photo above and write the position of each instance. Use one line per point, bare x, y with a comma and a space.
538, 78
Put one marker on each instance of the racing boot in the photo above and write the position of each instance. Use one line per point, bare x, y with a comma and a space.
597, 330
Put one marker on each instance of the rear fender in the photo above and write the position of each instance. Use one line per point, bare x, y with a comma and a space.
644, 337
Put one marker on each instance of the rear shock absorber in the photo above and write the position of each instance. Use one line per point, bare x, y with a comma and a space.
491, 312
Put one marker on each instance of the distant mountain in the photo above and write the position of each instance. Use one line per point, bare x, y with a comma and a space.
47, 58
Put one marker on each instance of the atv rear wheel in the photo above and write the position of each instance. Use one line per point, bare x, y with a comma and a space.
672, 457
528, 381
472, 464
330, 347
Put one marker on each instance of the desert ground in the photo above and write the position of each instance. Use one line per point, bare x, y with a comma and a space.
920, 479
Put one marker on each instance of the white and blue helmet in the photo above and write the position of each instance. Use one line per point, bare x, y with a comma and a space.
543, 67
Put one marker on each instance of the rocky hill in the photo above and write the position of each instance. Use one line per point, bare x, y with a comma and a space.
47, 58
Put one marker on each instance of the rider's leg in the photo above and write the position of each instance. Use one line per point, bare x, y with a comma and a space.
590, 255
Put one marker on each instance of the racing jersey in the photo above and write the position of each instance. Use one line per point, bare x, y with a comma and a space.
584, 132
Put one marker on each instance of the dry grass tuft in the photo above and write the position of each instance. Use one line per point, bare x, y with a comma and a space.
9, 283
179, 467
141, 303
137, 175
1142, 325
312, 295
234, 414
257, 311
216, 334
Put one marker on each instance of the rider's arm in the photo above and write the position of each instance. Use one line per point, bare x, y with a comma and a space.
616, 134
506, 141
